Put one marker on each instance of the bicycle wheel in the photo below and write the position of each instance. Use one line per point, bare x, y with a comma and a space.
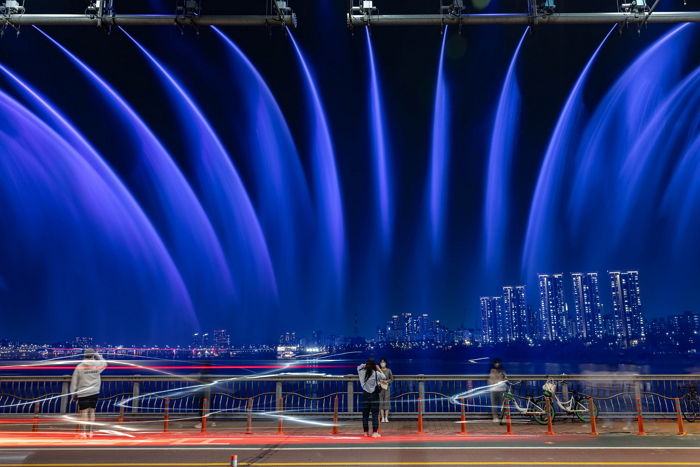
691, 408
583, 412
538, 412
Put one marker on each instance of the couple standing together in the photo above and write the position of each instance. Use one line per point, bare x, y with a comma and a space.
376, 393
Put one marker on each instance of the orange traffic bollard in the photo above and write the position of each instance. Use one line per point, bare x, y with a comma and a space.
234, 460
640, 418
548, 406
509, 423
280, 426
334, 430
205, 407
420, 416
35, 425
591, 411
166, 414
463, 419
681, 428
249, 420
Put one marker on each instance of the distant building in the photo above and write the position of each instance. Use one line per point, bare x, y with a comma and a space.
222, 339
289, 338
554, 319
83, 342
587, 322
627, 308
200, 340
492, 320
515, 313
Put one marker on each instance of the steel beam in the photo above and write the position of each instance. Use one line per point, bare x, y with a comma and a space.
147, 20
522, 18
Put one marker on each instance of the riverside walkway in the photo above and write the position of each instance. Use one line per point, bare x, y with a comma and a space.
485, 444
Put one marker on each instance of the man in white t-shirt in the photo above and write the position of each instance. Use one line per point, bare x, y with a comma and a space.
85, 387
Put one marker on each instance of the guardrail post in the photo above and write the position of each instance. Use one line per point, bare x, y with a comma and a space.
278, 392
640, 418
681, 428
463, 418
166, 414
591, 410
280, 427
420, 416
548, 402
565, 390
205, 409
351, 396
65, 388
249, 418
35, 425
509, 423
334, 431
120, 419
135, 394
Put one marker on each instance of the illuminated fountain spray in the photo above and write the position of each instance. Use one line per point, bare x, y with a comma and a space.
225, 197
617, 122
329, 205
439, 158
542, 218
380, 155
283, 202
168, 199
74, 223
671, 132
503, 144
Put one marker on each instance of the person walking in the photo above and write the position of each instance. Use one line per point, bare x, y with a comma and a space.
85, 387
385, 393
370, 375
497, 378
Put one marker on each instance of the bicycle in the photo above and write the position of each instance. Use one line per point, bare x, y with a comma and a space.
690, 403
577, 405
533, 408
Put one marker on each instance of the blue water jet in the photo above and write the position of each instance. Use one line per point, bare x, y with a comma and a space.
170, 203
82, 244
670, 132
224, 195
439, 158
282, 196
543, 208
682, 198
328, 198
381, 163
503, 143
618, 120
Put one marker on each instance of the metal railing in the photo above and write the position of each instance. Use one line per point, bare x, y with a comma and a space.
233, 396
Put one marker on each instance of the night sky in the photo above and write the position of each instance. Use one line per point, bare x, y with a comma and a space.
409, 278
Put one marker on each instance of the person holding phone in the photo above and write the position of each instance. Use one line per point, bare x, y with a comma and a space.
370, 376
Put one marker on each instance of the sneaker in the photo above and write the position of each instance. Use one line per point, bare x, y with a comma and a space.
366, 435
198, 425
90, 434
376, 435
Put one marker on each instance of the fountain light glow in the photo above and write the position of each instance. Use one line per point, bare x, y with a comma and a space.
542, 216
380, 154
503, 144
438, 185
167, 197
224, 193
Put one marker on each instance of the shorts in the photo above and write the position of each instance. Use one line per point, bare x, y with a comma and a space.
87, 402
